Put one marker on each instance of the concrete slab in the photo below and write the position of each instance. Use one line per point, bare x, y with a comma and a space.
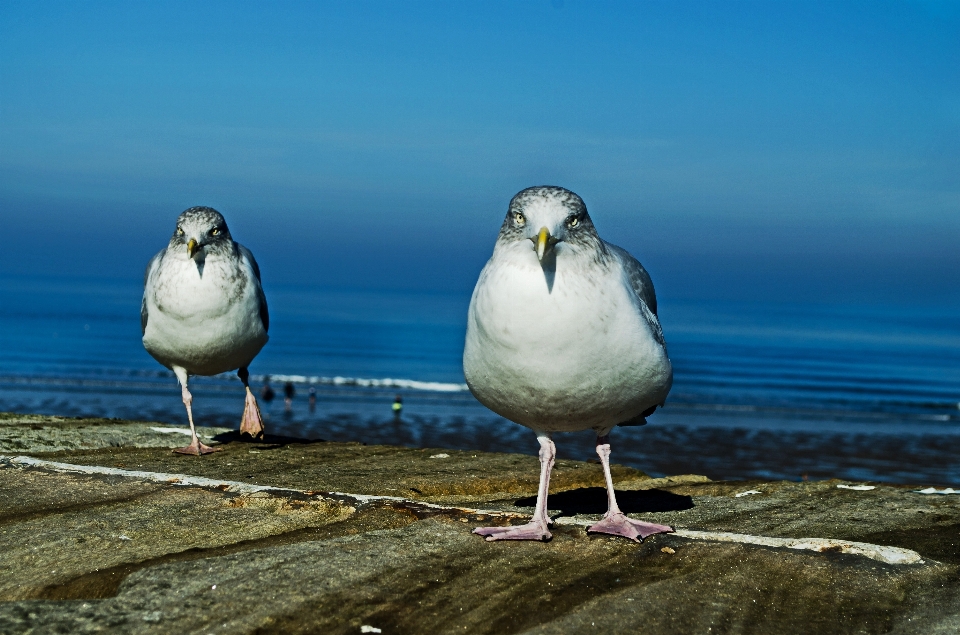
326, 537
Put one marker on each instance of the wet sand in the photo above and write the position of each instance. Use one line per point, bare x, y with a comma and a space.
720, 452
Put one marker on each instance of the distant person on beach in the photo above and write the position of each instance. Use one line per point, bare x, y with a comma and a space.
397, 406
288, 393
313, 398
266, 393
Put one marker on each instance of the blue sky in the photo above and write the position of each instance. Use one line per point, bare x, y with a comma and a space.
745, 149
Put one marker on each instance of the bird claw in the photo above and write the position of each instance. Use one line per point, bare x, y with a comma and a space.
252, 422
196, 449
619, 525
534, 530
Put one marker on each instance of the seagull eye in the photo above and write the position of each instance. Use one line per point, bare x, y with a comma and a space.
179, 231
573, 222
519, 219
214, 232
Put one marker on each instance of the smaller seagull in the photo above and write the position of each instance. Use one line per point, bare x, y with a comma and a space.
563, 335
204, 312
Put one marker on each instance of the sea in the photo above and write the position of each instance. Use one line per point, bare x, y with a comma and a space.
761, 390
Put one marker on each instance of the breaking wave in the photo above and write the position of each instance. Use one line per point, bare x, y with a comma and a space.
404, 384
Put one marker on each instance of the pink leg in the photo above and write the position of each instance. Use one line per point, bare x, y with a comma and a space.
537, 528
251, 423
615, 521
195, 446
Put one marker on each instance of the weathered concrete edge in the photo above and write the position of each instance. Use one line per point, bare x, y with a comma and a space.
888, 555
881, 553
201, 432
237, 487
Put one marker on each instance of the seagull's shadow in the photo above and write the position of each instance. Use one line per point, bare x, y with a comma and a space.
275, 440
593, 500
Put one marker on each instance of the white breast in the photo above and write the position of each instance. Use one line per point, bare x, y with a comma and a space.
578, 356
207, 324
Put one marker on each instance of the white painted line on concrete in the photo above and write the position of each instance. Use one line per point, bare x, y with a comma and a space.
159, 477
185, 431
227, 486
888, 555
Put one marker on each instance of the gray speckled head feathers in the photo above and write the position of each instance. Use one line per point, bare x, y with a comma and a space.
205, 225
561, 211
553, 193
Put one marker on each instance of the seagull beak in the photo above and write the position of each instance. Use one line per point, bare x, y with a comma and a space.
543, 240
192, 247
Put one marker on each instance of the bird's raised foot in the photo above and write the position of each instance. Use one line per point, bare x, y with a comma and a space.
252, 422
534, 530
619, 525
196, 448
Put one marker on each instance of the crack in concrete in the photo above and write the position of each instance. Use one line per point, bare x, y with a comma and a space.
880, 553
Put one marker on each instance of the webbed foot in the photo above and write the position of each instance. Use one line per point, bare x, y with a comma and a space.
196, 448
534, 530
619, 525
252, 422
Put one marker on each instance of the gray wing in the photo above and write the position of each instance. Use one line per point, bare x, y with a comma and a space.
641, 284
154, 263
264, 312
638, 277
642, 287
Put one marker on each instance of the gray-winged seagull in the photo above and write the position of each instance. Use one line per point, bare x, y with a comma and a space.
204, 312
563, 335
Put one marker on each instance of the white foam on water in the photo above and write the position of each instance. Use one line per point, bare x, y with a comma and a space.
408, 384
934, 490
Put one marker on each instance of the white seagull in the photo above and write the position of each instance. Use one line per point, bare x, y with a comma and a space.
204, 312
563, 335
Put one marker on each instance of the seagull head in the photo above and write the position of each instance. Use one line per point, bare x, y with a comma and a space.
546, 216
201, 230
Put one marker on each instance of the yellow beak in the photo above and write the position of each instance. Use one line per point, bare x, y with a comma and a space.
192, 247
542, 239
